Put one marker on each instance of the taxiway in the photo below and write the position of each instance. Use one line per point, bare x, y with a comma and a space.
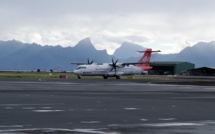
105, 107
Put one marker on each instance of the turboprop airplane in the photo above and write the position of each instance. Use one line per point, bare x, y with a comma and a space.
115, 69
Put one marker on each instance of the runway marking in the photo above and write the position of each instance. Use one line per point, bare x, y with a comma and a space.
90, 109
170, 124
104, 83
28, 108
173, 106
167, 119
210, 88
40, 82
202, 97
72, 83
104, 130
11, 126
8, 108
186, 87
131, 108
45, 111
146, 85
90, 122
114, 125
173, 124
94, 131
46, 107
32, 104
59, 130
144, 119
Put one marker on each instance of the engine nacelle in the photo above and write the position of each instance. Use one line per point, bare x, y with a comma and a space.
115, 74
119, 65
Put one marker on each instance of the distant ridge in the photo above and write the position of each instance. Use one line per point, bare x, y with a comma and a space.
15, 55
128, 50
85, 44
24, 56
202, 54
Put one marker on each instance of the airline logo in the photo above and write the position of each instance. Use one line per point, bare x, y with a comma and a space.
147, 57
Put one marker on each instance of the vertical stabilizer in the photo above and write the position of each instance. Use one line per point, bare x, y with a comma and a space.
145, 59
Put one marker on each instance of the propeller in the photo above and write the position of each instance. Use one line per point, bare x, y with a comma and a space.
114, 66
88, 61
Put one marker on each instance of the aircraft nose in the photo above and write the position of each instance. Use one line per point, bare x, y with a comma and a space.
76, 71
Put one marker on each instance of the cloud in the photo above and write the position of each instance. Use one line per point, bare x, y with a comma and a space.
164, 24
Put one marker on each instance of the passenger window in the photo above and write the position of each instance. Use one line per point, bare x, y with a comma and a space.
81, 68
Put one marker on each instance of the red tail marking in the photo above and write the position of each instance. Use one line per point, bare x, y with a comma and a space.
145, 59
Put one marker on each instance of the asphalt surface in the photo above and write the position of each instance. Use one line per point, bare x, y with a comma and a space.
94, 106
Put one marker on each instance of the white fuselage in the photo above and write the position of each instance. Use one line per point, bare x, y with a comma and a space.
105, 70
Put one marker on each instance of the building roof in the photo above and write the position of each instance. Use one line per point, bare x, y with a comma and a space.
168, 62
202, 68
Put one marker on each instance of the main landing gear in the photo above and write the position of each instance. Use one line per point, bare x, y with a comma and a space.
106, 77
117, 77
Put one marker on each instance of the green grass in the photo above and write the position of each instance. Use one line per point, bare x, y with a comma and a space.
39, 75
56, 75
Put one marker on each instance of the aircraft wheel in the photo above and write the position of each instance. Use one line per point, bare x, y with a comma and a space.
79, 77
105, 77
117, 77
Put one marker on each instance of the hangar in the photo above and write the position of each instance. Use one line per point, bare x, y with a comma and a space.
202, 71
170, 67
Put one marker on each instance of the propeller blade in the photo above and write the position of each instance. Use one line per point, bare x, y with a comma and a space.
112, 61
114, 66
88, 61
116, 62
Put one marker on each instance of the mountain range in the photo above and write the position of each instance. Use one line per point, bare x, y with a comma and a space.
201, 54
15, 55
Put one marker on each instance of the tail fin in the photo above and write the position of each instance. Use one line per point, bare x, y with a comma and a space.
145, 59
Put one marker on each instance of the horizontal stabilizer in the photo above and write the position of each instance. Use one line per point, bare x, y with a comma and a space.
150, 51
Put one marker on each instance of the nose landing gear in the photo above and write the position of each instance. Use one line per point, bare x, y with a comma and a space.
118, 77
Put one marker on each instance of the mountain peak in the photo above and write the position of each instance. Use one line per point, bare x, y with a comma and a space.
85, 40
128, 49
128, 44
200, 47
200, 54
85, 44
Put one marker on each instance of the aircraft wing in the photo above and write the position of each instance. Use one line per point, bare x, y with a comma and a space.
76, 63
82, 63
133, 63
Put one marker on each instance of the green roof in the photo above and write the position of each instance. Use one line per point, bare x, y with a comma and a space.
168, 62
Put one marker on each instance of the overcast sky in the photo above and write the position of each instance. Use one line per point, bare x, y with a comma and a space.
168, 25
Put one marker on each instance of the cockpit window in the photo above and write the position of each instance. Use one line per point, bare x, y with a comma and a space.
81, 68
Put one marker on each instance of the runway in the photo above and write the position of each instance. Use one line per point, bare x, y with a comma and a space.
104, 107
